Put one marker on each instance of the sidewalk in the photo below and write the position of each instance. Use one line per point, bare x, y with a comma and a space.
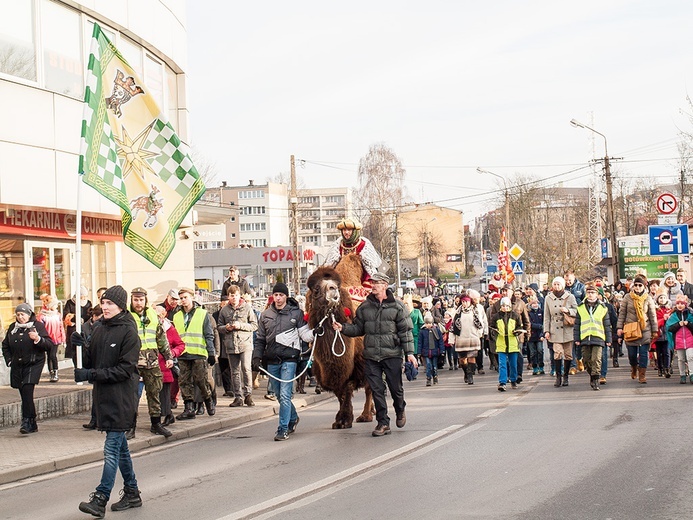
61, 442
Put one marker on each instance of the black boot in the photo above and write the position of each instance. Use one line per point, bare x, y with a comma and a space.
209, 404
300, 384
129, 497
471, 367
26, 426
594, 382
169, 419
566, 371
91, 425
558, 364
188, 412
200, 409
158, 428
96, 505
130, 434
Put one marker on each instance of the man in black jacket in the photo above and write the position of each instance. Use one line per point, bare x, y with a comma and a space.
110, 363
388, 334
235, 279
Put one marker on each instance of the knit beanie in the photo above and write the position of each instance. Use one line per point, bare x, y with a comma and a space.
117, 295
24, 308
640, 279
280, 287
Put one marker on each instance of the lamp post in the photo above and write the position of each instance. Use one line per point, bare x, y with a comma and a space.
610, 224
427, 257
507, 201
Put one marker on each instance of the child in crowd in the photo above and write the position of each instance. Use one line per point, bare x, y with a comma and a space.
430, 347
679, 327
536, 338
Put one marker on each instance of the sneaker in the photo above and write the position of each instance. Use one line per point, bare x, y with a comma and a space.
602, 380
281, 435
541, 372
248, 401
236, 402
96, 505
293, 424
435, 380
271, 397
513, 384
481, 371
381, 429
129, 498
428, 382
519, 379
535, 371
572, 371
501, 387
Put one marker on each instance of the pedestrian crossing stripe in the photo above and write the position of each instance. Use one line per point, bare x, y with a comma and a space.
518, 267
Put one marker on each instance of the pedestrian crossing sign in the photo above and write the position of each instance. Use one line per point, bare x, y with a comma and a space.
518, 266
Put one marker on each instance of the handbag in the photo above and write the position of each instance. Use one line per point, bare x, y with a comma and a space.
568, 320
632, 332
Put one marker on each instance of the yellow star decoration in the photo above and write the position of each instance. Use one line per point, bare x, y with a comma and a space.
132, 153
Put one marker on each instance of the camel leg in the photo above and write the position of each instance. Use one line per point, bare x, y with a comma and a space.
345, 415
368, 407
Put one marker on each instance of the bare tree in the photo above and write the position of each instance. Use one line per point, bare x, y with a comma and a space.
206, 168
380, 193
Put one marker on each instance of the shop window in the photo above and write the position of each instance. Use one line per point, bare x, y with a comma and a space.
17, 42
11, 279
62, 49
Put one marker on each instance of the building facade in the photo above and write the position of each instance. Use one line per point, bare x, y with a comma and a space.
319, 212
46, 45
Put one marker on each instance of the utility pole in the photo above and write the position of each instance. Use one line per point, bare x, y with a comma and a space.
293, 198
398, 266
682, 192
610, 224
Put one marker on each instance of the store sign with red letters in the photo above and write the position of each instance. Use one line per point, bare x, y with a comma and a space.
50, 224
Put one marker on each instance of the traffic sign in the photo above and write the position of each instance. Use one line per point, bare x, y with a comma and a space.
667, 203
491, 268
518, 266
604, 243
669, 240
516, 252
664, 220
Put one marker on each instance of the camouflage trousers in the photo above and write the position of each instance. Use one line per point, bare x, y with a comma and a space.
193, 373
153, 382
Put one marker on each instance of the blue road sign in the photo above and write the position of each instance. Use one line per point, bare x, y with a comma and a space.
457, 275
491, 268
518, 266
604, 242
669, 240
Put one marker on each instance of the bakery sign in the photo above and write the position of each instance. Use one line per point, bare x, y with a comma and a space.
49, 224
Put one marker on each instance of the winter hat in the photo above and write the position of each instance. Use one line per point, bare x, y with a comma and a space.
560, 280
682, 298
662, 300
473, 294
465, 298
173, 293
117, 295
380, 277
668, 275
505, 302
495, 296
280, 287
24, 308
639, 278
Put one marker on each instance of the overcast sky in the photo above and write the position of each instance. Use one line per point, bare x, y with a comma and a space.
448, 85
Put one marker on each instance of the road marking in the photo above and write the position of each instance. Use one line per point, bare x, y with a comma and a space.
489, 413
330, 485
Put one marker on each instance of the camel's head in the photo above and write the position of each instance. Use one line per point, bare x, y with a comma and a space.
324, 284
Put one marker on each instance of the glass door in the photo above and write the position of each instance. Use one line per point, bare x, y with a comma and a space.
50, 269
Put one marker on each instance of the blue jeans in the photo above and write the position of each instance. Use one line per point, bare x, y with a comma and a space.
536, 353
605, 361
287, 410
431, 367
638, 355
116, 455
505, 359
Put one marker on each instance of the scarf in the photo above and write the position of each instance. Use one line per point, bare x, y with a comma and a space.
558, 294
475, 315
19, 327
639, 305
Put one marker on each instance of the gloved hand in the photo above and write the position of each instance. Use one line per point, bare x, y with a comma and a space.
211, 360
84, 374
78, 339
255, 364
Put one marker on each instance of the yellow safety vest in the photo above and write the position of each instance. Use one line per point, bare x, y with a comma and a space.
510, 343
147, 333
592, 324
192, 335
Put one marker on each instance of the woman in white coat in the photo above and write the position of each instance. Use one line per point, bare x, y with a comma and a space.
559, 306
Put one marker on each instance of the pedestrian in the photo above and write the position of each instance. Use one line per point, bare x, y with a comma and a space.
171, 303
154, 342
24, 349
661, 343
51, 319
277, 345
87, 331
507, 328
69, 310
637, 321
670, 287
194, 325
679, 328
577, 289
236, 325
536, 337
449, 340
560, 309
386, 327
684, 285
481, 312
110, 363
168, 374
468, 328
592, 332
430, 346
235, 279
613, 321
493, 301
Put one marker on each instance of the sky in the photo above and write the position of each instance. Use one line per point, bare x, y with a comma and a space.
449, 86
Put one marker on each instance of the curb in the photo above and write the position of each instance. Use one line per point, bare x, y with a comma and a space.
192, 429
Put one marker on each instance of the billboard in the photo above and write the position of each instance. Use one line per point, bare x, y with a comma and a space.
634, 256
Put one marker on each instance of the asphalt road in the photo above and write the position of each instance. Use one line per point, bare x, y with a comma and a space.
466, 452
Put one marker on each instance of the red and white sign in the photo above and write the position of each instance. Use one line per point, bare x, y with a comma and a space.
51, 224
667, 203
665, 237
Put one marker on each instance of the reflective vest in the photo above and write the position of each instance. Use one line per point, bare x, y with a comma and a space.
192, 335
147, 333
509, 343
592, 324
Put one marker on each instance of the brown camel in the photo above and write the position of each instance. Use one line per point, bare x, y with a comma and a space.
337, 372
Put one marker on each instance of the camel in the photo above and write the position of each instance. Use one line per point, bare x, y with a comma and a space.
343, 374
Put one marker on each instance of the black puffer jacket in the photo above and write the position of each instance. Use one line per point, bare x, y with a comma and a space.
272, 323
112, 356
24, 357
386, 326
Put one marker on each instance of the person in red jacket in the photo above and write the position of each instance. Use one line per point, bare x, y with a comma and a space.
177, 347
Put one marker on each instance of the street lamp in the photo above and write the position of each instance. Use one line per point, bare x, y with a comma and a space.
507, 201
610, 224
427, 256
